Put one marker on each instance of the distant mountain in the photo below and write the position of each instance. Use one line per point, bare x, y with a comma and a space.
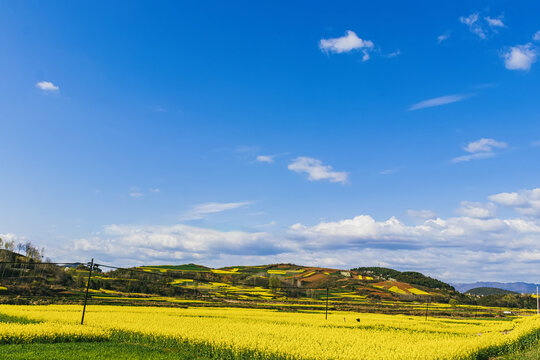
484, 291
519, 287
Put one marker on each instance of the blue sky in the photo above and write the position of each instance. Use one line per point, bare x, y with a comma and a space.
341, 135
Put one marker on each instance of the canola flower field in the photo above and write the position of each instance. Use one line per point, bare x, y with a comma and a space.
271, 334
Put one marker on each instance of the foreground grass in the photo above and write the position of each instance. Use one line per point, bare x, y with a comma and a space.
124, 345
531, 353
106, 350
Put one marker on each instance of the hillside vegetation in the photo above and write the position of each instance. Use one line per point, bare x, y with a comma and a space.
27, 280
484, 291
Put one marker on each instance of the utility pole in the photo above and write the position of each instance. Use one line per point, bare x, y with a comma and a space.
537, 302
326, 317
87, 286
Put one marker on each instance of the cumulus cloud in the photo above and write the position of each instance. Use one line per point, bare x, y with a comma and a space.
364, 231
269, 159
201, 210
438, 101
477, 210
347, 43
316, 170
536, 36
526, 202
13, 237
480, 149
520, 57
179, 243
479, 244
47, 86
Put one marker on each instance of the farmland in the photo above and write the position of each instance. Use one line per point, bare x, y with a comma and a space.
276, 311
258, 333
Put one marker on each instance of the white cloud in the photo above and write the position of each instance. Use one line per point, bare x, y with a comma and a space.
394, 54
477, 210
536, 36
13, 237
442, 37
473, 23
155, 190
316, 170
470, 157
535, 143
480, 149
349, 42
484, 145
201, 210
520, 57
421, 214
390, 171
47, 86
179, 243
478, 244
526, 202
136, 194
269, 159
494, 22
438, 101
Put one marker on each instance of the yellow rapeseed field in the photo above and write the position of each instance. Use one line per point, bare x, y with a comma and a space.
304, 335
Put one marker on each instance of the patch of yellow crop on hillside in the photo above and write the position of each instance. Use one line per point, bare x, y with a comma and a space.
417, 291
277, 272
397, 290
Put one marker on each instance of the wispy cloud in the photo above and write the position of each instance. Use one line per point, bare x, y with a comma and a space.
201, 210
390, 171
494, 22
443, 37
136, 194
316, 170
480, 149
269, 159
482, 26
438, 101
394, 53
473, 23
520, 57
536, 36
47, 86
349, 42
421, 214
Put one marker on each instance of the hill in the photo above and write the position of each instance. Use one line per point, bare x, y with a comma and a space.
410, 277
485, 291
23, 277
518, 287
